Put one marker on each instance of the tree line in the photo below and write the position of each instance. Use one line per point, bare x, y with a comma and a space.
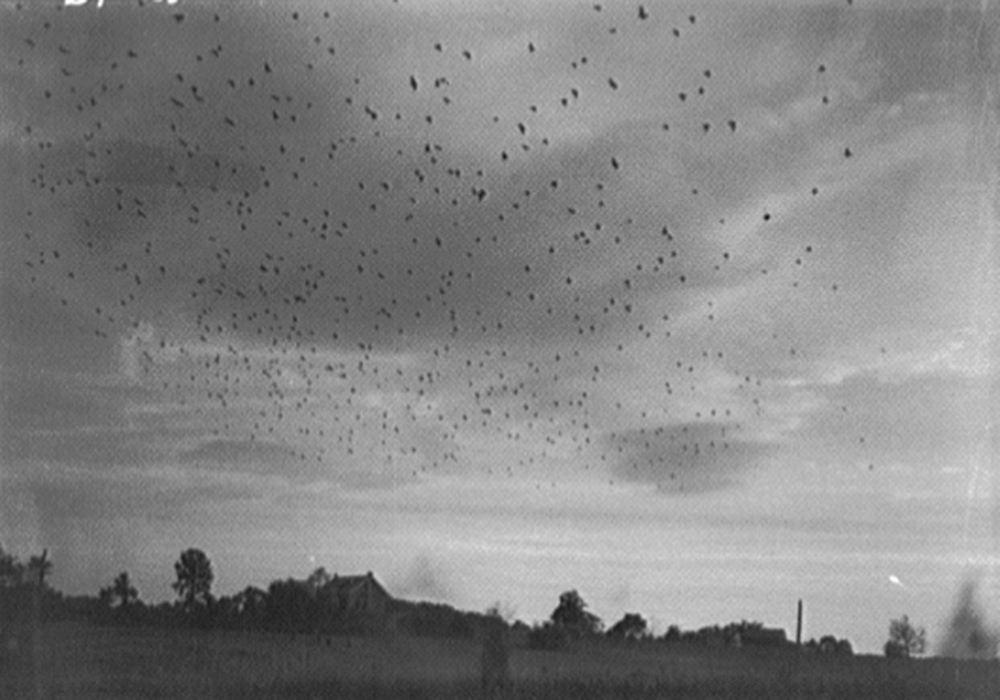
571, 620
297, 606
311, 605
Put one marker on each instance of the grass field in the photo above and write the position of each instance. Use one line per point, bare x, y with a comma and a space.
79, 661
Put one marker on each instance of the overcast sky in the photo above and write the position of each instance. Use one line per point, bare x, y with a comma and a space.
690, 308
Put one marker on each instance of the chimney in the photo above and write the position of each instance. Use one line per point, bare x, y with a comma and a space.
798, 627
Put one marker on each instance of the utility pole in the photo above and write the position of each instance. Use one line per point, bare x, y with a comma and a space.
798, 627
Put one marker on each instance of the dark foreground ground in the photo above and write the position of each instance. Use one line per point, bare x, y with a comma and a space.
79, 661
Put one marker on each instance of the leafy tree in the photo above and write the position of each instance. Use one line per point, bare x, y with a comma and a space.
194, 579
123, 591
631, 626
572, 615
905, 640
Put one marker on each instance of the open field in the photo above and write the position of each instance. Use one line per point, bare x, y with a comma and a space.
80, 661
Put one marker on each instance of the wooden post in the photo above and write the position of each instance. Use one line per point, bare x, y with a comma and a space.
798, 627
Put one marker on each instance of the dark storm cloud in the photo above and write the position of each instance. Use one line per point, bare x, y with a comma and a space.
687, 458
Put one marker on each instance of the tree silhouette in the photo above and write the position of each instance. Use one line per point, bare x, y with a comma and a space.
194, 579
905, 640
631, 626
124, 592
572, 614
673, 634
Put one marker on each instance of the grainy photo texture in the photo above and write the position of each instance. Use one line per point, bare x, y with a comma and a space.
499, 348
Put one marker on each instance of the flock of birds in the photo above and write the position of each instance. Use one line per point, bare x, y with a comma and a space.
344, 272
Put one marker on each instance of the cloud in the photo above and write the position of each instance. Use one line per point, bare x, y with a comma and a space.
895, 358
687, 458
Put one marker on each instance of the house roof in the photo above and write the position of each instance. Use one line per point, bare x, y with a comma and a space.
347, 584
